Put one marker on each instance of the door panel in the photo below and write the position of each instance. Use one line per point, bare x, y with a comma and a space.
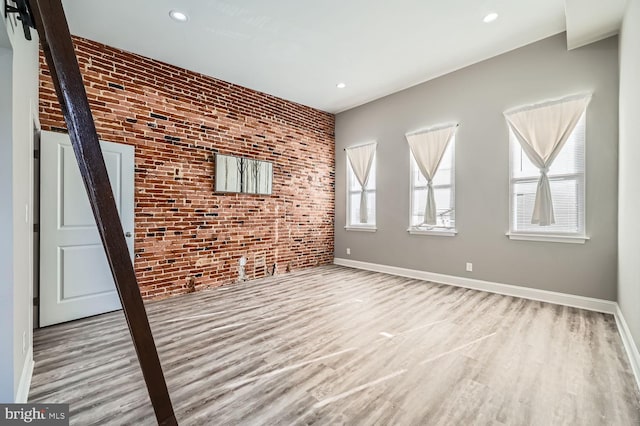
79, 265
76, 281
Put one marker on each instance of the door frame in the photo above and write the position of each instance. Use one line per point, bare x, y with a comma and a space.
130, 235
35, 202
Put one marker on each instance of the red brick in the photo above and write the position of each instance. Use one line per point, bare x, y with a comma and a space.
174, 182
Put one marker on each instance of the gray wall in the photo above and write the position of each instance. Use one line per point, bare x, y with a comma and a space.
629, 231
475, 97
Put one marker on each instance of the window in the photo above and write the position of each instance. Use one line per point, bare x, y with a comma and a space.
356, 220
443, 192
567, 182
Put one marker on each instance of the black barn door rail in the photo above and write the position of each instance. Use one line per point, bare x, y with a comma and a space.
53, 30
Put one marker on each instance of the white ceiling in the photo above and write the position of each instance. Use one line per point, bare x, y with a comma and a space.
300, 49
592, 20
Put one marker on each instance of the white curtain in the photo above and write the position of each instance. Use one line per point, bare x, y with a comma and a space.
428, 148
361, 159
542, 130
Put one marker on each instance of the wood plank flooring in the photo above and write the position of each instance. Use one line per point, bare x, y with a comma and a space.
334, 345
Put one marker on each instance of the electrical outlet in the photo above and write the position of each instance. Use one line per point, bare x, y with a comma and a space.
469, 267
348, 251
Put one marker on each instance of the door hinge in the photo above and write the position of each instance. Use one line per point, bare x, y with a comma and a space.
36, 154
36, 227
36, 301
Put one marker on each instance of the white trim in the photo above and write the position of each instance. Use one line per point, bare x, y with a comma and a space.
549, 102
577, 239
413, 168
629, 344
35, 116
361, 228
350, 227
580, 178
588, 303
432, 129
22, 394
373, 142
443, 233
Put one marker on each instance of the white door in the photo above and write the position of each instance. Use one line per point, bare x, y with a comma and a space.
75, 279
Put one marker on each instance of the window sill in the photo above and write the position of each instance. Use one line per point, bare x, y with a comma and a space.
571, 239
439, 233
371, 228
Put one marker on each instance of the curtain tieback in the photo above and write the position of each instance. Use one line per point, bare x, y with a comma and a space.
430, 184
544, 170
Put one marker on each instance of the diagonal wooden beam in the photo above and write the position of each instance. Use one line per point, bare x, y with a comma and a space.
56, 41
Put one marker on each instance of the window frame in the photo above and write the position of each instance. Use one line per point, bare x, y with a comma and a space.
364, 227
578, 237
413, 170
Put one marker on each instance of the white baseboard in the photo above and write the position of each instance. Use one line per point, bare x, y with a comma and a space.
588, 303
629, 344
22, 395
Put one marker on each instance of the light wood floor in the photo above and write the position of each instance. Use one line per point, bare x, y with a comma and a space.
333, 345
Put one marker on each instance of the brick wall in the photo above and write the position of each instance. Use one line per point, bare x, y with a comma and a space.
177, 120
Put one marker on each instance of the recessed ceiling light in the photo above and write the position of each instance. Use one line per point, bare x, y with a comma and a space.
176, 15
341, 85
490, 17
